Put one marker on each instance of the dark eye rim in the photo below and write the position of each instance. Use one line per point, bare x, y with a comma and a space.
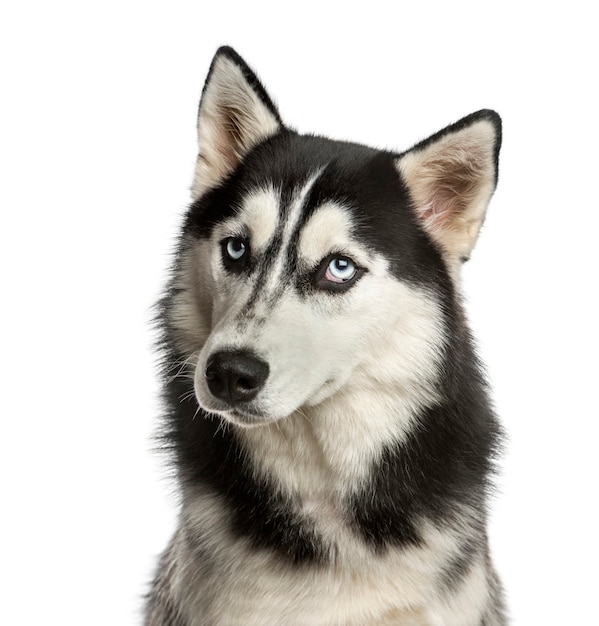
321, 282
235, 265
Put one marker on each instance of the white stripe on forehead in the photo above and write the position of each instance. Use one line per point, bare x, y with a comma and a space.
295, 210
293, 215
328, 230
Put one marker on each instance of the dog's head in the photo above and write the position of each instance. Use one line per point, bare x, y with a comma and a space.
309, 265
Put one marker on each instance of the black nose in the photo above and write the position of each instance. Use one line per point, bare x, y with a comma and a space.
235, 376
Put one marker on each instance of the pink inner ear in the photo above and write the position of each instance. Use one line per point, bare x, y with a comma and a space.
450, 182
436, 214
451, 190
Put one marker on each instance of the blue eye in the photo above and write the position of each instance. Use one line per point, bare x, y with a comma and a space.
337, 273
340, 270
235, 248
235, 251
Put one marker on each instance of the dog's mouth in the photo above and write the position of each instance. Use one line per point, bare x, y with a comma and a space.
246, 419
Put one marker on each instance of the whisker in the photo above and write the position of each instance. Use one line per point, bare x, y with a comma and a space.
188, 395
182, 364
196, 413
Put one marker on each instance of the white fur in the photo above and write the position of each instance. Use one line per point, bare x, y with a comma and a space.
328, 230
464, 606
190, 313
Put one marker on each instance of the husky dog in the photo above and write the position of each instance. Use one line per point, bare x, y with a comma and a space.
328, 417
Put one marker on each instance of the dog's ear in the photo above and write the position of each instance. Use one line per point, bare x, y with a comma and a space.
451, 177
235, 114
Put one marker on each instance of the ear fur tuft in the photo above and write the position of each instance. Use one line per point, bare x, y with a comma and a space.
451, 177
235, 114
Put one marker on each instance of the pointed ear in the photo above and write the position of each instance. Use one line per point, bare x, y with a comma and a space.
235, 114
451, 177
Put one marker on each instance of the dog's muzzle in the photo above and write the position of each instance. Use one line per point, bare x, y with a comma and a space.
235, 377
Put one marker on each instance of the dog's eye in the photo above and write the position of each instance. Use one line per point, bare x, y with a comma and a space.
235, 252
340, 270
235, 248
337, 273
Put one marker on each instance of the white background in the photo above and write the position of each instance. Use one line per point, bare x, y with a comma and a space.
97, 144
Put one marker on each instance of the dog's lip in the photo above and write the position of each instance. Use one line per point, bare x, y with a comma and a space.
242, 417
246, 418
